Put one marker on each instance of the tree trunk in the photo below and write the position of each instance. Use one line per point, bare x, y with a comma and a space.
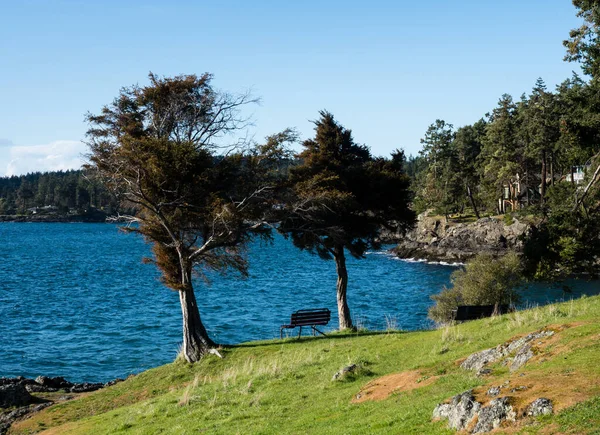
473, 202
342, 285
544, 175
527, 184
552, 169
196, 342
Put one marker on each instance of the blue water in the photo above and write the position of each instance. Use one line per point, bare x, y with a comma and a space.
77, 301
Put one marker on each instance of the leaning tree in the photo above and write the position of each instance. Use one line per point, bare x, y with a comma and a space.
341, 198
163, 149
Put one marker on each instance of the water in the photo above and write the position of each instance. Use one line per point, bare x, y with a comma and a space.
76, 300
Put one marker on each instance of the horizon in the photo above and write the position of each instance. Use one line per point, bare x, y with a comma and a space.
386, 71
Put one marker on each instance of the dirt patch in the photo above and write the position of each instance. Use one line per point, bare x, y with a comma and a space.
382, 388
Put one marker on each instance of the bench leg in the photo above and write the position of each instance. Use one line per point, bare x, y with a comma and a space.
300, 332
315, 329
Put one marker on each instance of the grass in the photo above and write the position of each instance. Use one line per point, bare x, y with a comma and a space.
274, 387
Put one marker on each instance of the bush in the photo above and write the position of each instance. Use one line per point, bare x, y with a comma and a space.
485, 280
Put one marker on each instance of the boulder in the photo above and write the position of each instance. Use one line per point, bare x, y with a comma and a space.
479, 360
491, 416
460, 411
541, 406
14, 395
493, 391
522, 356
352, 368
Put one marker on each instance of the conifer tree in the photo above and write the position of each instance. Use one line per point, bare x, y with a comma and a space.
341, 198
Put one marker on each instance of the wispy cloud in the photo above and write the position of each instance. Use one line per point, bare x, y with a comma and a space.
55, 156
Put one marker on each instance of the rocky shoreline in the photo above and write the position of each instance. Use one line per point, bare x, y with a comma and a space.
18, 402
435, 239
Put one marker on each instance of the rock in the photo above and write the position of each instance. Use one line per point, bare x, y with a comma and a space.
14, 395
352, 368
494, 391
113, 382
519, 388
7, 418
442, 410
478, 360
491, 416
460, 411
523, 355
435, 239
56, 383
541, 406
85, 387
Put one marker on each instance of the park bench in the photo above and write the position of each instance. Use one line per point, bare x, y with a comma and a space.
312, 318
472, 312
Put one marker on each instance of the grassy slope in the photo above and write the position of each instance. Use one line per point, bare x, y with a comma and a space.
286, 386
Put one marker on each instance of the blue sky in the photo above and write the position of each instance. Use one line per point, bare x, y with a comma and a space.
385, 69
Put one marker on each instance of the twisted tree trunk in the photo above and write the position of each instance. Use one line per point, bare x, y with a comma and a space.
345, 321
196, 342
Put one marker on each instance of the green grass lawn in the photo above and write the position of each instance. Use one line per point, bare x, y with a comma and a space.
276, 387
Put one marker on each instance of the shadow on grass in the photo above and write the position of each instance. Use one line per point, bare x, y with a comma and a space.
302, 339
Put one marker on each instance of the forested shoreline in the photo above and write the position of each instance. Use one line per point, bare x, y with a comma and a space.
57, 195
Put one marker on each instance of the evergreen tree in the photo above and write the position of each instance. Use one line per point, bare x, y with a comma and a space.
341, 198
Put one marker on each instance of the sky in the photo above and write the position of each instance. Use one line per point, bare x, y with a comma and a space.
385, 69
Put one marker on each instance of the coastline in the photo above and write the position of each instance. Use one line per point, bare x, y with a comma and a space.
91, 218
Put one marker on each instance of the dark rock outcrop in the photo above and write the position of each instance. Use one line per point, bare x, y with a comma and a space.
434, 239
14, 395
8, 418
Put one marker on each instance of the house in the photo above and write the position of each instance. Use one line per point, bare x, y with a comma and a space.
577, 174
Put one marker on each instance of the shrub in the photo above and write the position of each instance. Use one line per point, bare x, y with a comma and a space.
485, 280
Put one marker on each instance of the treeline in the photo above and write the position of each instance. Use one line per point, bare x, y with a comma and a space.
511, 158
539, 156
57, 192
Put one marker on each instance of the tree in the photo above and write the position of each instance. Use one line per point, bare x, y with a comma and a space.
467, 143
156, 147
341, 197
540, 131
502, 155
440, 186
485, 280
583, 44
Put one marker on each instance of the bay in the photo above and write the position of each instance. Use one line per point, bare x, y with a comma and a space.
77, 301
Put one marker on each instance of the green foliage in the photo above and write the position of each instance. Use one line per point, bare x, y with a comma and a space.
340, 198
343, 196
583, 45
156, 147
566, 242
66, 190
485, 280
441, 185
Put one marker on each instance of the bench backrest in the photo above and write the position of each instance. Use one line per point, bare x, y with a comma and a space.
472, 312
320, 316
